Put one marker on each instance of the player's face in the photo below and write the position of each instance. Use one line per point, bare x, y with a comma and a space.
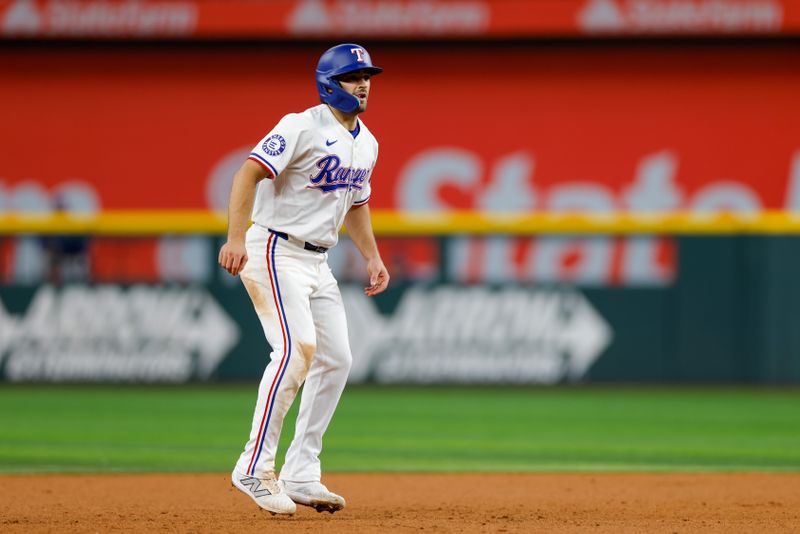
357, 84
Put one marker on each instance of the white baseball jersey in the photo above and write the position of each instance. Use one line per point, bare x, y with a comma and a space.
318, 172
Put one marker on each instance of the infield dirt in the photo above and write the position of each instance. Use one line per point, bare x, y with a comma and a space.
601, 503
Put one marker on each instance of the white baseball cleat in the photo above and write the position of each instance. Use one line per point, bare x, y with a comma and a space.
313, 494
266, 492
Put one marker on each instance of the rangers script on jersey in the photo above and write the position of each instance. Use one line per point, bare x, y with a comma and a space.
318, 170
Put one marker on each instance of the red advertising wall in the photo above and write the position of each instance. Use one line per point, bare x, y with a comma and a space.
493, 128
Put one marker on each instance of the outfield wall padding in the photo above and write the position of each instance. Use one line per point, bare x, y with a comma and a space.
730, 315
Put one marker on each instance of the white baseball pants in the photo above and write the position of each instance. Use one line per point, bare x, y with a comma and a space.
300, 308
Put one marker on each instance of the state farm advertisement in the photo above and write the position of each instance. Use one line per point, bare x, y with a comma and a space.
380, 19
499, 129
490, 129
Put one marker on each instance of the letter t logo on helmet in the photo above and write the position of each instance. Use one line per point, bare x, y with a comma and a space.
358, 52
336, 61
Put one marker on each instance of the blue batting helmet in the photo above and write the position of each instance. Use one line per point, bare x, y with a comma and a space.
336, 61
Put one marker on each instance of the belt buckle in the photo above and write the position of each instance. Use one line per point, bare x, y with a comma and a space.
314, 248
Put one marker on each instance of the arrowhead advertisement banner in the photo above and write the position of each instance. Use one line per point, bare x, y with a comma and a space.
435, 334
455, 334
704, 329
114, 334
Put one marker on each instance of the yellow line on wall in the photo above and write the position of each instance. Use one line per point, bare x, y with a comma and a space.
393, 223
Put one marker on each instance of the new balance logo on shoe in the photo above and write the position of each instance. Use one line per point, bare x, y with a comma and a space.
254, 486
265, 492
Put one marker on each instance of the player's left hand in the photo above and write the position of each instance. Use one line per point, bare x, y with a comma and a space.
378, 277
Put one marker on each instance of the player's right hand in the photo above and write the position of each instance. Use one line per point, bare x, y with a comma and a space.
233, 257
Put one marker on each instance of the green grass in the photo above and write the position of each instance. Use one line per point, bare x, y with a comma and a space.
202, 428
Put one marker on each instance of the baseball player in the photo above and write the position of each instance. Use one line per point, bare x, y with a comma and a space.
302, 181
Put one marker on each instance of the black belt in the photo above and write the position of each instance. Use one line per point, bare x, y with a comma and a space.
306, 245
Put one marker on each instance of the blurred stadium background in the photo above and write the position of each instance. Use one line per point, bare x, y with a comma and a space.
569, 192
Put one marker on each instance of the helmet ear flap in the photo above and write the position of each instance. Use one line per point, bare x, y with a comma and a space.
332, 94
336, 61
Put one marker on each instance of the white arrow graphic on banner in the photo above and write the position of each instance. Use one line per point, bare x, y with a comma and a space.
141, 333
454, 334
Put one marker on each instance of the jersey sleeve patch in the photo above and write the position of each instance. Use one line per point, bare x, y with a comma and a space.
274, 145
